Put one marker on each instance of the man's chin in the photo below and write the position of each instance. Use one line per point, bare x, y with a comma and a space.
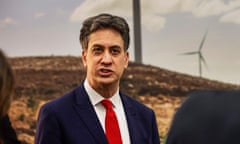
107, 81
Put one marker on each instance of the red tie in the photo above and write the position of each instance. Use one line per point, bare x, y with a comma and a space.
111, 124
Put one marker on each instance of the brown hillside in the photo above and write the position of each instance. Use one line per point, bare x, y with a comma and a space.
39, 79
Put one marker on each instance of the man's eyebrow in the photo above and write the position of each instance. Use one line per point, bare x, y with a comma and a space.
115, 46
97, 45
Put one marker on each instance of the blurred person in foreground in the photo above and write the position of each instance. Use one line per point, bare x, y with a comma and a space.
97, 112
7, 133
207, 117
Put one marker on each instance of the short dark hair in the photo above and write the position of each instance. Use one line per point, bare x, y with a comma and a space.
104, 21
6, 84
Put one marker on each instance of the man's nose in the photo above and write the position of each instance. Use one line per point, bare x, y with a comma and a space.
107, 58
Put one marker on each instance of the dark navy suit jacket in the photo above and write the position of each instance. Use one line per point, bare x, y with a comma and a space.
207, 117
71, 119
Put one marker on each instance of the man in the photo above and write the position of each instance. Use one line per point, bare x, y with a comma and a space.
207, 117
80, 116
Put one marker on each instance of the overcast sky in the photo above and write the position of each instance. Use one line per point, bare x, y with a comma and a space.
169, 28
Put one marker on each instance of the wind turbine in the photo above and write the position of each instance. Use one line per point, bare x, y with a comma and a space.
137, 30
201, 59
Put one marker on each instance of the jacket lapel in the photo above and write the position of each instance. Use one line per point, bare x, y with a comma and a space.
131, 118
88, 115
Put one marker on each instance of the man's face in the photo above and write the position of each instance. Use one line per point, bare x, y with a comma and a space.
105, 58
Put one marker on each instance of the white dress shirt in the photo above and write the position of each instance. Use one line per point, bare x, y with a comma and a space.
96, 99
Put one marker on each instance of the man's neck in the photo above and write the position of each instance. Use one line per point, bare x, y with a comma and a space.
105, 90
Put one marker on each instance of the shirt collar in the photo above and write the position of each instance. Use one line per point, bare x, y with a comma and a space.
96, 98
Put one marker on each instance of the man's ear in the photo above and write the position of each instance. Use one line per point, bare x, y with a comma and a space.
126, 59
84, 58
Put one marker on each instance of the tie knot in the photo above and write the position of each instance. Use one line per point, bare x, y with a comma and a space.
107, 104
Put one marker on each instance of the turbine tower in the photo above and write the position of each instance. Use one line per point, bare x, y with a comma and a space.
137, 31
201, 59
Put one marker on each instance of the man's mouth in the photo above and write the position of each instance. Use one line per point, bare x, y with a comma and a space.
105, 72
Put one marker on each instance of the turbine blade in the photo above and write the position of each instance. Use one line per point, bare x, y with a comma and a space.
204, 61
203, 40
190, 53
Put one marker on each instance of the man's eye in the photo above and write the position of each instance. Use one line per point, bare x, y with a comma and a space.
115, 51
97, 50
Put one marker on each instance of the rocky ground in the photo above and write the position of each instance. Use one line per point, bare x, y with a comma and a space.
40, 79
